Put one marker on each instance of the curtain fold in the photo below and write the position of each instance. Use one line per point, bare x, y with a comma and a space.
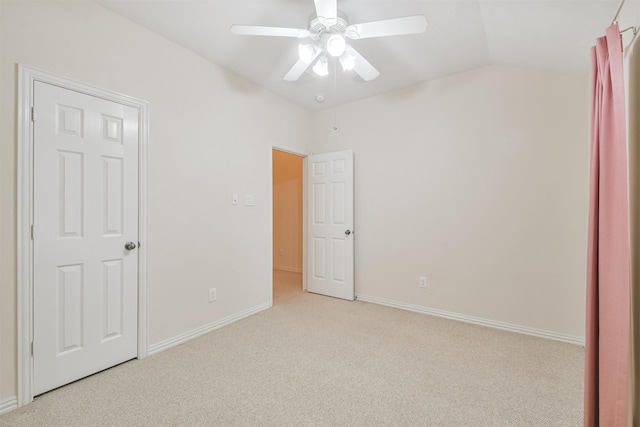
608, 349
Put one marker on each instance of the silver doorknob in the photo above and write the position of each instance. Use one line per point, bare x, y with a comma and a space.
129, 246
346, 233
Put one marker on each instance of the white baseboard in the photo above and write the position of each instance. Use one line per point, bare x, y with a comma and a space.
572, 339
8, 405
182, 338
287, 268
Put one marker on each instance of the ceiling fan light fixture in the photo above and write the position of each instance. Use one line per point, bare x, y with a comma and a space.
336, 45
348, 62
321, 66
327, 33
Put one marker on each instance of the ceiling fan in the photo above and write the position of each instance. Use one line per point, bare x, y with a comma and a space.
328, 32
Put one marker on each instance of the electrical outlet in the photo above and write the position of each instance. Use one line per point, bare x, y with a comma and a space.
423, 282
213, 295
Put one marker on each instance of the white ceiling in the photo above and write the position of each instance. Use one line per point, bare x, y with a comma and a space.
461, 35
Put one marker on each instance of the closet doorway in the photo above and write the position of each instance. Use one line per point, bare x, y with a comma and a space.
288, 225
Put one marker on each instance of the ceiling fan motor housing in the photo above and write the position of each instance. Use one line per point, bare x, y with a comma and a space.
317, 27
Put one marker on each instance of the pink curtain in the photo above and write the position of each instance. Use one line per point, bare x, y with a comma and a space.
607, 370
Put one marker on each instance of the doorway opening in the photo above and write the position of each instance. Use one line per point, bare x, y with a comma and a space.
288, 225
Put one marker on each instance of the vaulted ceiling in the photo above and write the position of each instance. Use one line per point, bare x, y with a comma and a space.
461, 35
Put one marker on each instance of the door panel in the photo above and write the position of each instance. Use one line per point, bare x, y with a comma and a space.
112, 293
113, 195
331, 247
69, 311
85, 209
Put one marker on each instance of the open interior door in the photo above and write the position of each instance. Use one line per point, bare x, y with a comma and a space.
330, 224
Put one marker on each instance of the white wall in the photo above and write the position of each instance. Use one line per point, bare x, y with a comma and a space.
7, 245
209, 137
632, 84
478, 181
287, 211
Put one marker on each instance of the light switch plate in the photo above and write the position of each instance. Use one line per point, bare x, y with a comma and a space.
234, 199
423, 282
249, 200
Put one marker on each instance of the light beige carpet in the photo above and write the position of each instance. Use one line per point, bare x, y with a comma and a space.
318, 361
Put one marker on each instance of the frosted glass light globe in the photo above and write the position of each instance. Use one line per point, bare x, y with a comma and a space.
321, 67
306, 52
336, 45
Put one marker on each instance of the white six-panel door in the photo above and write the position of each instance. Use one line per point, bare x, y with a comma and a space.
85, 285
330, 224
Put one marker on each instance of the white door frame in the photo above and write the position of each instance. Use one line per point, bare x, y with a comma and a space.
304, 215
26, 78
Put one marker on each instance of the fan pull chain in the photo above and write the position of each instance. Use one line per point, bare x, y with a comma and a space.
335, 95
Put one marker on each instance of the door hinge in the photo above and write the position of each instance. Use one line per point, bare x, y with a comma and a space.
31, 231
33, 114
31, 348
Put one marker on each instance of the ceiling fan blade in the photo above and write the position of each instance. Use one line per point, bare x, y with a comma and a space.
388, 27
362, 66
327, 12
252, 30
300, 67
